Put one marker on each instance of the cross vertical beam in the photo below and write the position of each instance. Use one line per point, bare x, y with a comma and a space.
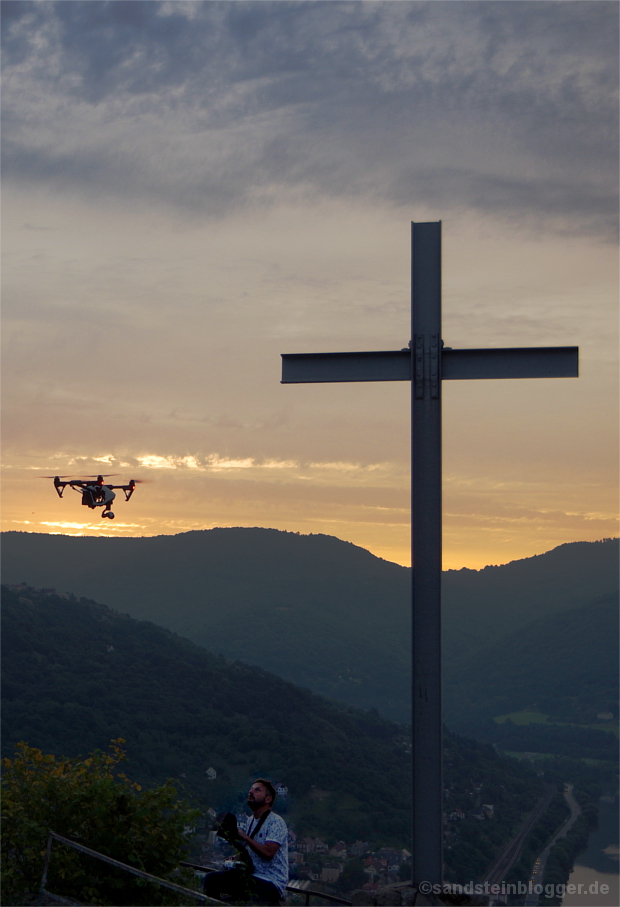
427, 839
425, 364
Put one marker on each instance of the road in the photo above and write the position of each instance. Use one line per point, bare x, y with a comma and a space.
538, 872
510, 856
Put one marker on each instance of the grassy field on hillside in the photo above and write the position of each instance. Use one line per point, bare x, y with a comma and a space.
531, 717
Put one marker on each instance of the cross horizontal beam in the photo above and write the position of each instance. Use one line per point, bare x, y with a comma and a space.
302, 368
516, 362
395, 365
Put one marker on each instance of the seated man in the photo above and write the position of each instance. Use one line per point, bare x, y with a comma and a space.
264, 843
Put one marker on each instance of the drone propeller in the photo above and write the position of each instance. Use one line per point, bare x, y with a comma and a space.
71, 476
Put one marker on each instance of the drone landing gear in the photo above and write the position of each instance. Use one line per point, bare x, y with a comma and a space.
108, 513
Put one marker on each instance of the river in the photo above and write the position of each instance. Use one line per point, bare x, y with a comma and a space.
598, 864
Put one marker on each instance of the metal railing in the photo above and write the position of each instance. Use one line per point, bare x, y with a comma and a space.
164, 883
293, 887
195, 895
298, 888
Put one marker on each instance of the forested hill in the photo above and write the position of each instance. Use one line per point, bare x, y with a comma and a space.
564, 665
76, 674
322, 613
483, 606
315, 610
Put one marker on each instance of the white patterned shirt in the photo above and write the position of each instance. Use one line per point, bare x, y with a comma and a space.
274, 870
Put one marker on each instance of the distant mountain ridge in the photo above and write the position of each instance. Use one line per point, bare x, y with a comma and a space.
502, 599
320, 612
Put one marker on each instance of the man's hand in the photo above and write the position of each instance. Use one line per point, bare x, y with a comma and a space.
267, 850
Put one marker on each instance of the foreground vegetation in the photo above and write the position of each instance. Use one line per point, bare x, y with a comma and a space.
91, 802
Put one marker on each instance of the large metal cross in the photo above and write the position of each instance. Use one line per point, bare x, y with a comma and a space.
426, 363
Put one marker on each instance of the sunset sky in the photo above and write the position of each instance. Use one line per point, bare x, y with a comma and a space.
192, 189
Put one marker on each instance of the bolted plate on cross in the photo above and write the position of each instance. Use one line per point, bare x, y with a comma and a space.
426, 363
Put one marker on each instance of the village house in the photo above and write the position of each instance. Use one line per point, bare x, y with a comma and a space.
310, 845
339, 850
376, 868
393, 857
330, 872
359, 848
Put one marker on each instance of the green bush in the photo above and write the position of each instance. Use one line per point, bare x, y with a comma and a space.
91, 802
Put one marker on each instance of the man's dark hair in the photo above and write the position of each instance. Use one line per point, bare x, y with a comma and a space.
270, 788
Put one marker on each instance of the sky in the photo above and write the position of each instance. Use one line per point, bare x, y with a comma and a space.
191, 189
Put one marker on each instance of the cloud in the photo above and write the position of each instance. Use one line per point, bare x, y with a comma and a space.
504, 108
297, 470
192, 189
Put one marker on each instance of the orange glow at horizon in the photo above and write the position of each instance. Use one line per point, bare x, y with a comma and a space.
487, 525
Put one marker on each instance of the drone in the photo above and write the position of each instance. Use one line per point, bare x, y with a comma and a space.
94, 493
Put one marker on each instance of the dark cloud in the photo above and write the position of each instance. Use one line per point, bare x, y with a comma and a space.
215, 105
